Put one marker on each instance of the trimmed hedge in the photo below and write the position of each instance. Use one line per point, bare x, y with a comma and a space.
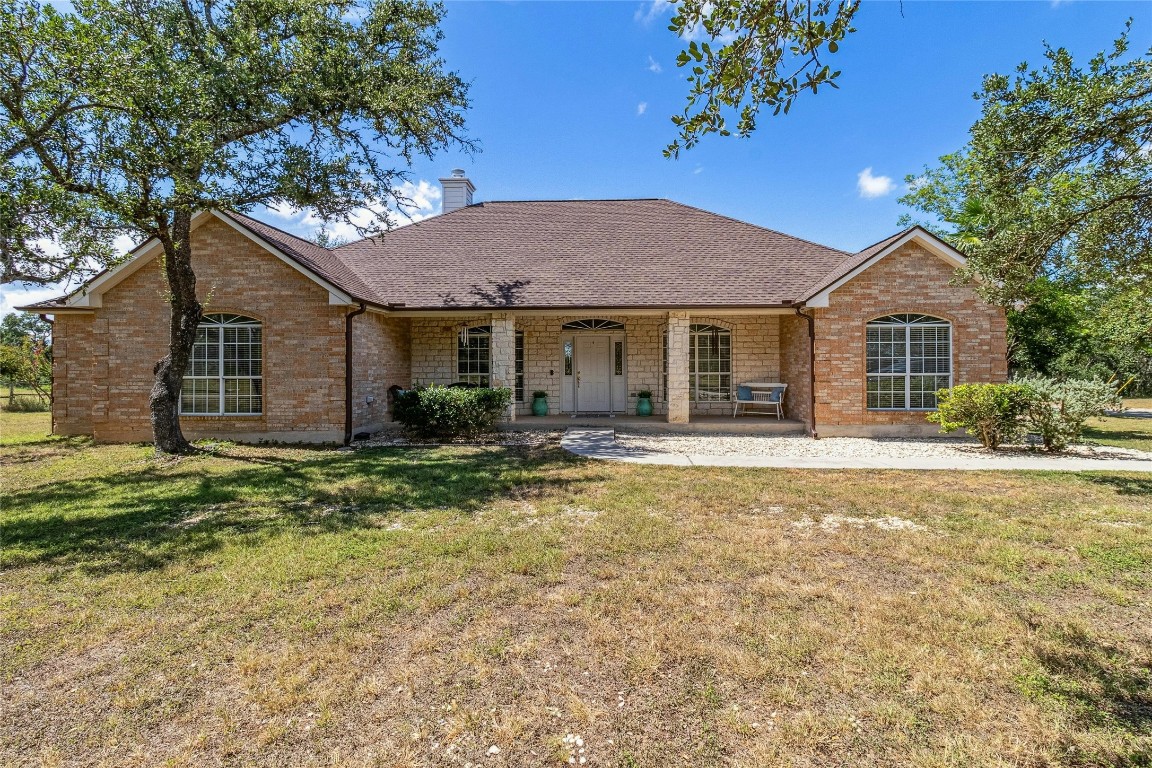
446, 412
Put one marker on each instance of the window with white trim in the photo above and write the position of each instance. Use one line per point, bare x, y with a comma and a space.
908, 358
474, 358
225, 372
709, 363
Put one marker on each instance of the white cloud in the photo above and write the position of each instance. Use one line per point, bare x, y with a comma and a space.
699, 169
641, 108
873, 186
420, 200
652, 10
21, 294
654, 66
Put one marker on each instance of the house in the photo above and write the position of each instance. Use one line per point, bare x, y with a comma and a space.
588, 300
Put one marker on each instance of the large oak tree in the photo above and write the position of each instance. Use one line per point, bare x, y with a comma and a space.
1055, 182
744, 56
182, 105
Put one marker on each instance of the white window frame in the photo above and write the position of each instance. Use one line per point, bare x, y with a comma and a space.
903, 325
480, 378
696, 332
219, 323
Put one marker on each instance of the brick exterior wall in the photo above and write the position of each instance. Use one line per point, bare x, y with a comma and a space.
910, 280
74, 363
796, 367
104, 361
381, 357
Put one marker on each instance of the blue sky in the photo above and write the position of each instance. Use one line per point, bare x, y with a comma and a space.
572, 100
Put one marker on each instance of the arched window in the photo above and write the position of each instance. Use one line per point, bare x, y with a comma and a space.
908, 358
474, 358
593, 325
225, 372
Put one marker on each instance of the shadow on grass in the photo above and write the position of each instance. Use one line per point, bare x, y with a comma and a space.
1102, 685
148, 516
1125, 485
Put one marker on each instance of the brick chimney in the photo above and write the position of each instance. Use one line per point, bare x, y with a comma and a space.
457, 191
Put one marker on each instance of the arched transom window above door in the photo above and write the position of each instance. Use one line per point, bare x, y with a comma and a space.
593, 325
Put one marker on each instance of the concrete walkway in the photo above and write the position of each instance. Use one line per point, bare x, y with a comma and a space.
600, 443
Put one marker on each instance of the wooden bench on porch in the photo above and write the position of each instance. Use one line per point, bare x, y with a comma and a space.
766, 395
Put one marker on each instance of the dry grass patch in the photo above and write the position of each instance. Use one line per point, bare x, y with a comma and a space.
422, 606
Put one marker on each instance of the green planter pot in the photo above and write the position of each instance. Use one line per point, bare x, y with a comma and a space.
643, 407
539, 406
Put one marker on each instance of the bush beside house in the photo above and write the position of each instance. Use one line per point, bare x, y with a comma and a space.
1057, 411
446, 412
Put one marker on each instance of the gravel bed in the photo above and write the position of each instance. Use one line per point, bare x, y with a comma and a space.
847, 447
525, 438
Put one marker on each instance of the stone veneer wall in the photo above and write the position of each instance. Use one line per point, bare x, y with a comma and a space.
104, 360
756, 353
910, 280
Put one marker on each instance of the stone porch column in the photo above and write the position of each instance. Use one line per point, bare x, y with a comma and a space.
503, 356
677, 341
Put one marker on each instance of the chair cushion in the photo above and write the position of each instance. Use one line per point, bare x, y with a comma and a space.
743, 393
776, 396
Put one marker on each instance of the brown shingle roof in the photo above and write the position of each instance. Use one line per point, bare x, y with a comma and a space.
586, 253
315, 258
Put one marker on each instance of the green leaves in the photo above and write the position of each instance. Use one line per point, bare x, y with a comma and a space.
756, 54
227, 104
1060, 163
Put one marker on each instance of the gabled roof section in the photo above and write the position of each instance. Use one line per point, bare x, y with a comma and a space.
818, 293
314, 262
315, 258
557, 254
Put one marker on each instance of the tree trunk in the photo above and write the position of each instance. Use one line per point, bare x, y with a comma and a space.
165, 399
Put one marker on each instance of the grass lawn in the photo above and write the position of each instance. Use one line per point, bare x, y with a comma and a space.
394, 607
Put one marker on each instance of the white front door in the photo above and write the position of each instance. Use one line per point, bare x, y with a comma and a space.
593, 373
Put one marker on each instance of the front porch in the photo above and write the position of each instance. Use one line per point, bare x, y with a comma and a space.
744, 425
596, 362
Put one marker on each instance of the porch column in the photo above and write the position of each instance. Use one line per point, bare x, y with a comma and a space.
677, 345
503, 356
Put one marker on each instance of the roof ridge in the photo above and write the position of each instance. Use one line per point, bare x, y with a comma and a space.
757, 226
904, 231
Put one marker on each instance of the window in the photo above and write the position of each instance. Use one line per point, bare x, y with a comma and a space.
474, 358
709, 362
225, 372
519, 393
593, 325
908, 358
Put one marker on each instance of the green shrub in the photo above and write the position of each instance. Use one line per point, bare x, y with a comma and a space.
991, 412
1059, 410
443, 412
27, 404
